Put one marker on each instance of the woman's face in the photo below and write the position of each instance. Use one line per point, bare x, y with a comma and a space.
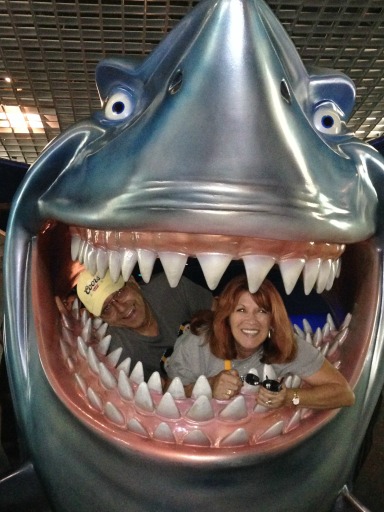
249, 324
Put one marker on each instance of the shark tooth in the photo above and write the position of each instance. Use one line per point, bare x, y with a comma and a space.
67, 321
331, 322
308, 338
318, 337
114, 264
326, 330
238, 437
164, 433
173, 265
146, 261
154, 383
257, 268
65, 349
236, 410
82, 249
176, 389
310, 274
125, 365
101, 331
103, 345
196, 438
298, 331
213, 266
75, 247
114, 356
101, 262
114, 414
331, 277
87, 330
290, 270
342, 336
91, 261
124, 387
201, 410
84, 316
332, 348
307, 326
71, 364
96, 322
168, 408
260, 408
325, 348
346, 321
95, 399
296, 381
137, 375
143, 399
274, 430
135, 426
93, 360
288, 381
201, 387
325, 269
294, 421
269, 372
81, 347
337, 267
128, 262
81, 383
107, 379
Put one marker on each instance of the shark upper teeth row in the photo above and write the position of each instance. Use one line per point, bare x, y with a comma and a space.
317, 273
123, 397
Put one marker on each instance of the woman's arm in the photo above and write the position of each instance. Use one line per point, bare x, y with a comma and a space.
327, 389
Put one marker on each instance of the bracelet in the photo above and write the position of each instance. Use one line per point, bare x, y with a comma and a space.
295, 399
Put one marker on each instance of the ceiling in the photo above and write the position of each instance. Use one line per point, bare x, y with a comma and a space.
49, 50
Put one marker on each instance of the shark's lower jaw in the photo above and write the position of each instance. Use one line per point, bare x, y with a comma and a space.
115, 400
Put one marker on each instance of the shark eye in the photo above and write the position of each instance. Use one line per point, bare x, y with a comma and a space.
327, 120
119, 106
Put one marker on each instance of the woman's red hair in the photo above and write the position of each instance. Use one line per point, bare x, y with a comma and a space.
280, 347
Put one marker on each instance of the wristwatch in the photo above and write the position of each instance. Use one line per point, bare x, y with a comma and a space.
295, 399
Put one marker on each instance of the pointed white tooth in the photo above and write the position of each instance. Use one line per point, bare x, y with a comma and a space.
114, 414
103, 345
176, 389
124, 387
146, 261
91, 260
213, 266
137, 374
96, 322
257, 268
290, 272
100, 333
128, 262
168, 408
125, 365
346, 322
114, 261
87, 330
337, 365
325, 348
84, 317
269, 372
68, 337
288, 381
95, 399
82, 347
196, 438
82, 249
81, 383
202, 387
93, 360
114, 356
326, 330
164, 433
318, 337
332, 348
294, 421
325, 269
299, 331
71, 364
173, 265
75, 247
342, 336
338, 267
260, 408
64, 349
308, 337
310, 274
67, 321
143, 399
201, 410
101, 262
238, 437
236, 410
296, 381
273, 431
307, 326
107, 379
331, 276
331, 322
75, 311
135, 426
154, 383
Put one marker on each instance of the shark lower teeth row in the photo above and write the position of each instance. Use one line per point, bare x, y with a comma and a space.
127, 401
317, 273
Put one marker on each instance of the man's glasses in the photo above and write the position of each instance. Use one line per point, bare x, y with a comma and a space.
115, 298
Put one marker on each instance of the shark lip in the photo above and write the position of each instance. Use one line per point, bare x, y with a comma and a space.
114, 400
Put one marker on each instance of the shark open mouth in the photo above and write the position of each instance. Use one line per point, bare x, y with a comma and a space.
113, 399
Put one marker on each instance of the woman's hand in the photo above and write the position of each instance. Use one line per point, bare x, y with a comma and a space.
226, 384
271, 399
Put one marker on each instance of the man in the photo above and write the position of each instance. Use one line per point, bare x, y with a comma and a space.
143, 319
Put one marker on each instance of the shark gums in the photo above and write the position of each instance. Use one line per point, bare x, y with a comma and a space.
219, 146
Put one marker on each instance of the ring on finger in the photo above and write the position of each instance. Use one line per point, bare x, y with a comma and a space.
229, 392
269, 402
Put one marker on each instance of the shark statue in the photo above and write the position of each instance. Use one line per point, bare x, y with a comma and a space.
219, 146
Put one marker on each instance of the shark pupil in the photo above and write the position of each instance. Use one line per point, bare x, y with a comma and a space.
327, 121
118, 107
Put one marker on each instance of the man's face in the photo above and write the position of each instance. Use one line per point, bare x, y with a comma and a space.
126, 308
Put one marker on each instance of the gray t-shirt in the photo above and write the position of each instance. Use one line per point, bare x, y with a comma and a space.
172, 307
192, 357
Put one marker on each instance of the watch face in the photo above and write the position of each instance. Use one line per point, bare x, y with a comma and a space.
295, 400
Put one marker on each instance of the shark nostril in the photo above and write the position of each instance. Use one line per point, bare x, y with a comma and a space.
176, 82
285, 91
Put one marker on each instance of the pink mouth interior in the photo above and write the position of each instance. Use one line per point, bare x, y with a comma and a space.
139, 422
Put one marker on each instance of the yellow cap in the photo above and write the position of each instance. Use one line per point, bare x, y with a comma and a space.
93, 290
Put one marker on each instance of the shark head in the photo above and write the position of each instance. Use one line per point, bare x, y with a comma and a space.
222, 148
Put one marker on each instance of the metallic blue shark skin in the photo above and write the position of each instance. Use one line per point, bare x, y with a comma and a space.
221, 127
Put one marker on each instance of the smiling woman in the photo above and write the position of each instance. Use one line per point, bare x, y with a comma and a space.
246, 332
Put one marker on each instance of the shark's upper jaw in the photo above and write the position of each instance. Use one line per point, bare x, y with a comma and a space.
119, 404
